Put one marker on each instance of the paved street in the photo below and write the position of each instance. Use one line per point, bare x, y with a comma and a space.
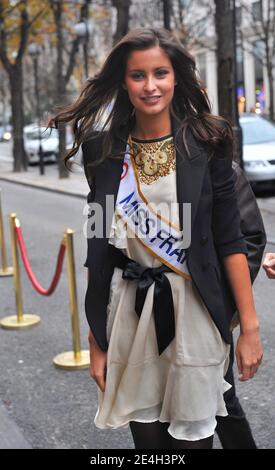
53, 408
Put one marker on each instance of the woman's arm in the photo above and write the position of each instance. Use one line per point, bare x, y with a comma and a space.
231, 249
98, 362
98, 358
249, 350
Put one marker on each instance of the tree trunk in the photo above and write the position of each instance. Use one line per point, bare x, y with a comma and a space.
15, 74
16, 85
225, 23
61, 93
225, 53
166, 14
63, 76
271, 90
63, 172
123, 7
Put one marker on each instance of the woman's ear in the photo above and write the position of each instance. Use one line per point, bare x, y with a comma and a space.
124, 86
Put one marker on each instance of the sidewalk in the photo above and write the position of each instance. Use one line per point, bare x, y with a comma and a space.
75, 185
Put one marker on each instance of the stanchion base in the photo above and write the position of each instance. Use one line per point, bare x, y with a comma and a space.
68, 361
6, 272
12, 323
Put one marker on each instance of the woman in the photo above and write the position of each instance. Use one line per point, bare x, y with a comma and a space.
159, 308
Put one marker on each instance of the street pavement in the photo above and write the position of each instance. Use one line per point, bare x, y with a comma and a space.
75, 185
43, 407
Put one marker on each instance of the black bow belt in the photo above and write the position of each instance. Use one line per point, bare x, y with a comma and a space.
163, 300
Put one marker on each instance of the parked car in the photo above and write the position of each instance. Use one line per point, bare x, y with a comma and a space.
49, 143
258, 148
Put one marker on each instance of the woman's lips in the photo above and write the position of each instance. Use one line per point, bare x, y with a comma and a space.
151, 99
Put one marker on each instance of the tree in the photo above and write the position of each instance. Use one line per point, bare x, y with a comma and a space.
167, 14
123, 7
4, 97
17, 20
15, 24
63, 71
226, 59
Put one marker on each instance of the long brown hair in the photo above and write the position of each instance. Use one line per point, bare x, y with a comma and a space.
190, 103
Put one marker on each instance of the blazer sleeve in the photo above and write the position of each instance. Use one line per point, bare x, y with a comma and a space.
87, 149
252, 225
226, 223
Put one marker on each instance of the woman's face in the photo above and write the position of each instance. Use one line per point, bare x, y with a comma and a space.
150, 80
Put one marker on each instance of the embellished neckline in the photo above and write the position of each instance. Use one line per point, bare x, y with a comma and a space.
150, 141
154, 158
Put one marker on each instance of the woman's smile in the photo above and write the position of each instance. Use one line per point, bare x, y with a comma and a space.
151, 100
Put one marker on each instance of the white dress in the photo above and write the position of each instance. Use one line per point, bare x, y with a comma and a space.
185, 384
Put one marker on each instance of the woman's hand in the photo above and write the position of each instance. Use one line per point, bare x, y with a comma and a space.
269, 265
249, 353
98, 359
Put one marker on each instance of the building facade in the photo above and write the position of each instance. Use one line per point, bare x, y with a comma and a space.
252, 77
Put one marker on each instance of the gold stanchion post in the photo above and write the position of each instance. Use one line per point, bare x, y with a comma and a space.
75, 359
21, 320
5, 270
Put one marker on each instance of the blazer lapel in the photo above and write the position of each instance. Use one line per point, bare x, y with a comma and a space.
107, 182
189, 170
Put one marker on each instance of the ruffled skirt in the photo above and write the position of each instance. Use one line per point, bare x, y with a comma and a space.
184, 385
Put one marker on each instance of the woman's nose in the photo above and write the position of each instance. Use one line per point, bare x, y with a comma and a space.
149, 84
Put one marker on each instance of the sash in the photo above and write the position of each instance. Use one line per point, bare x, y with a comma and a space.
160, 237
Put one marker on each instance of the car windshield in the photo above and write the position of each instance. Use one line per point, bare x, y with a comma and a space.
45, 134
257, 131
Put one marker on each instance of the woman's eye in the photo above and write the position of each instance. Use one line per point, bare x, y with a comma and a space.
140, 75
161, 72
137, 76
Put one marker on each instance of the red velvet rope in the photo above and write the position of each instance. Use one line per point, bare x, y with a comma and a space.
28, 268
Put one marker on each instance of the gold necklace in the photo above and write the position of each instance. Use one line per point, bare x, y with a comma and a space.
154, 159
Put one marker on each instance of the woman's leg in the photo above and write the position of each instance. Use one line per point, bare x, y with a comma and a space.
149, 435
206, 443
156, 436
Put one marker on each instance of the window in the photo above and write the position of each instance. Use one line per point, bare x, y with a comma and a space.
259, 75
257, 131
184, 3
240, 79
239, 12
257, 11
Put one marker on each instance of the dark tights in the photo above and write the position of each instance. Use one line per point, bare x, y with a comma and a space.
156, 436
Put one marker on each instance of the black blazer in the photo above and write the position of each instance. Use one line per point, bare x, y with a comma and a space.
252, 225
208, 184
